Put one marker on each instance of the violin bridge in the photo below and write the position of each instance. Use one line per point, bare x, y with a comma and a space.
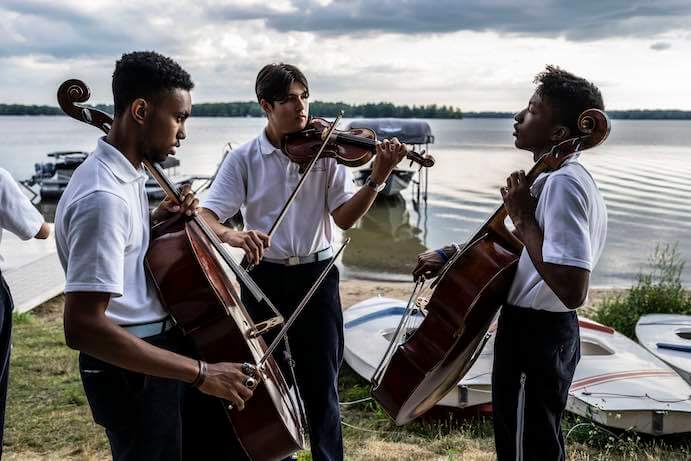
262, 327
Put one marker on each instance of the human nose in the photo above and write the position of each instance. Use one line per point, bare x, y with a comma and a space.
182, 134
519, 116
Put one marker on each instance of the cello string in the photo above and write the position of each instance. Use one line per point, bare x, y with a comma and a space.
393, 343
296, 397
241, 273
301, 306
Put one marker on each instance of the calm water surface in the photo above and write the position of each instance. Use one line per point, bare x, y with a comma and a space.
643, 170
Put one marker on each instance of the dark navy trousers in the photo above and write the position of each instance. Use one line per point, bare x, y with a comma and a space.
316, 343
6, 307
535, 356
141, 414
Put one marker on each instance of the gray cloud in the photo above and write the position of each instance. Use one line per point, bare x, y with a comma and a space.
659, 46
578, 21
31, 27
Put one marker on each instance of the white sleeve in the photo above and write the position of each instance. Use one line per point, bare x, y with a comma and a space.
229, 188
17, 214
96, 230
566, 228
341, 186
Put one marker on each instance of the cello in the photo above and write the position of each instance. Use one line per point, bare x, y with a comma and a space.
193, 274
423, 365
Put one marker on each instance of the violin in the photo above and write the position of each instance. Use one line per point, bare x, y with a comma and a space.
352, 148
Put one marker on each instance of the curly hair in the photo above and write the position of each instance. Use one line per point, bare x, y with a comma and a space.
146, 74
274, 80
568, 95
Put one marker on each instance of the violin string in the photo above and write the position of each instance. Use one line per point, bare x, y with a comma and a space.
298, 186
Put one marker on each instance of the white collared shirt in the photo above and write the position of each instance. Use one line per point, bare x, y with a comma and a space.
258, 178
572, 215
17, 214
102, 235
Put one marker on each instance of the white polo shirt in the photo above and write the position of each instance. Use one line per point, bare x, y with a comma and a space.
102, 235
572, 215
258, 178
17, 214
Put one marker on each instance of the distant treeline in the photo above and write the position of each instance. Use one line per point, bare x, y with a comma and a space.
369, 110
252, 109
638, 114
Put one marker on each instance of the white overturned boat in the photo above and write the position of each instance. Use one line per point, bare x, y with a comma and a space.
617, 383
668, 337
368, 328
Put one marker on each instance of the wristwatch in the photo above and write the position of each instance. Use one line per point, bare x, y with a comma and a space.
374, 184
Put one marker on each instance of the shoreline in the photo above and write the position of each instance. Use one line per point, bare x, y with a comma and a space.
356, 290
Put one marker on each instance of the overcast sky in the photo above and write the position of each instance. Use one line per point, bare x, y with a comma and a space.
474, 54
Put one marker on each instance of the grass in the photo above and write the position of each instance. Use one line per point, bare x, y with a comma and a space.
48, 416
658, 291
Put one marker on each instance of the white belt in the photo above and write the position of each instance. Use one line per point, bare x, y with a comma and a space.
144, 330
321, 255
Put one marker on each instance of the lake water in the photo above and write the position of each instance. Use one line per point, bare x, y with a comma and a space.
643, 170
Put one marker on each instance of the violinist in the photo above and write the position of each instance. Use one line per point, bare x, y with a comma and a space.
562, 222
258, 178
130, 361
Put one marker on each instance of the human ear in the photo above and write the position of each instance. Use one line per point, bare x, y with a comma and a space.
560, 133
139, 110
266, 106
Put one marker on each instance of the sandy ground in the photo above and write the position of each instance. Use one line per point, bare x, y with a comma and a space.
353, 291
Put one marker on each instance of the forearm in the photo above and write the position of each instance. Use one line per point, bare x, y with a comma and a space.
568, 283
104, 340
213, 222
355, 208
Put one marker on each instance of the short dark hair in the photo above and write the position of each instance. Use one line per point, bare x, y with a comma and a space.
274, 80
568, 95
146, 74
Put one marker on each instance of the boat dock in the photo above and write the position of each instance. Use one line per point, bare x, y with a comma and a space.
32, 270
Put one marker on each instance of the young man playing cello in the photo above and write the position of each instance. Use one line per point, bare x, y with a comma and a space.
258, 177
562, 221
130, 363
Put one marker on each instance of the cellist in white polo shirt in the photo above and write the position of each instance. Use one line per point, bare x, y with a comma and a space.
131, 366
258, 178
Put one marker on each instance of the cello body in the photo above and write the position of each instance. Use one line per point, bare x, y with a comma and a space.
193, 285
465, 301
468, 293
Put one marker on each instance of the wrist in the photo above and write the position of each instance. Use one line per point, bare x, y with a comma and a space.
227, 236
524, 222
201, 374
379, 177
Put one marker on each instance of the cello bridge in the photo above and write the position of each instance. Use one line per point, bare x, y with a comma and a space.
262, 327
421, 302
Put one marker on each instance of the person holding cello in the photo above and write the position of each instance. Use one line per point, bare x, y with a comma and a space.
259, 178
562, 222
130, 361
